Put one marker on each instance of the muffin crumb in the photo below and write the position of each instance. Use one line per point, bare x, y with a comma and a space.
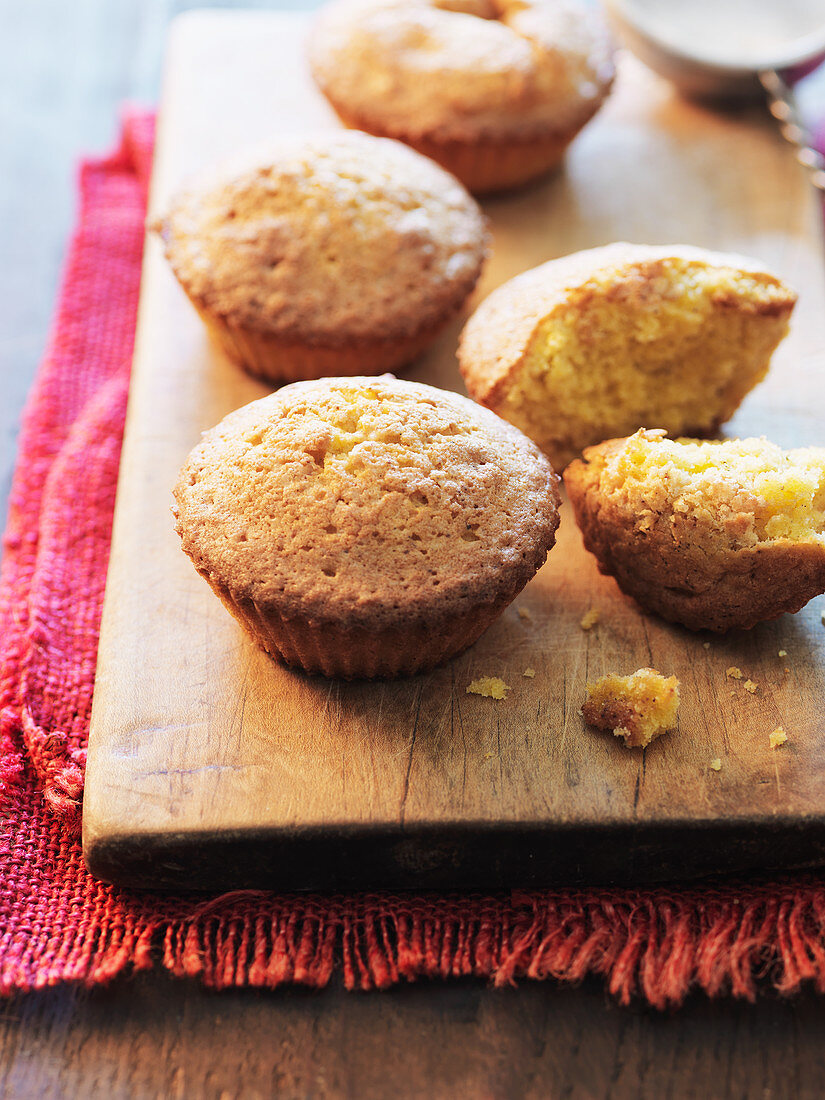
734, 673
706, 645
783, 653
637, 708
750, 686
777, 738
589, 619
716, 764
491, 687
523, 613
529, 673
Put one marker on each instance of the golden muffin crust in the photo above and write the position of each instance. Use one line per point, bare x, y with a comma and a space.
713, 535
593, 345
637, 708
362, 509
329, 240
463, 70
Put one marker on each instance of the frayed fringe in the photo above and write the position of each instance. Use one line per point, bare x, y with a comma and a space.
657, 946
59, 768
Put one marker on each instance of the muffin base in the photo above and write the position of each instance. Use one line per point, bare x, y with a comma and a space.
744, 588
277, 359
732, 589
356, 653
485, 165
489, 166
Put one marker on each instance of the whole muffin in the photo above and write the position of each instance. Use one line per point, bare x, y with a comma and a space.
494, 90
596, 344
335, 254
713, 535
367, 526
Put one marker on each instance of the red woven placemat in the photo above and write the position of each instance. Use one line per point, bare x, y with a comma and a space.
58, 924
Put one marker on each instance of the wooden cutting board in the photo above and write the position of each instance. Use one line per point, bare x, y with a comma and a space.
212, 766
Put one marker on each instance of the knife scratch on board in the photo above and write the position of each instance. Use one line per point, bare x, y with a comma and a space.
403, 808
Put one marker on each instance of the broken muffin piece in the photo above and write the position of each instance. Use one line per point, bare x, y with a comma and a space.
638, 707
710, 534
491, 687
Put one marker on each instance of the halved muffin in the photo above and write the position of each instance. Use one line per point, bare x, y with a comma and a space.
713, 535
599, 343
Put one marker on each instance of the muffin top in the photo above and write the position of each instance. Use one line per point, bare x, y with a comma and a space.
464, 69
709, 495
329, 239
369, 501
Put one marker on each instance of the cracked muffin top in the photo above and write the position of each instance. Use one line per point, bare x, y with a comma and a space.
367, 500
459, 70
336, 237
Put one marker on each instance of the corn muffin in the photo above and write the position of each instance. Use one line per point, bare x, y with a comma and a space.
599, 343
368, 526
494, 90
713, 535
637, 708
335, 254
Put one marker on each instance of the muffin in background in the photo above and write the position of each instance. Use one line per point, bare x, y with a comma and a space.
368, 526
711, 534
594, 345
335, 254
494, 90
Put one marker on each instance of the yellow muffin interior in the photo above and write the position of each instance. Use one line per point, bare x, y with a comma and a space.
771, 493
636, 708
675, 343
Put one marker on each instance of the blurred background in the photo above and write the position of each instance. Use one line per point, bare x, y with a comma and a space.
65, 69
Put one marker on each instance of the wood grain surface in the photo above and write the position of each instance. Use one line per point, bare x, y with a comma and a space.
210, 764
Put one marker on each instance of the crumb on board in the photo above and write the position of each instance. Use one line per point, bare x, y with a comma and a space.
529, 673
777, 738
523, 613
716, 764
706, 645
636, 708
589, 619
783, 653
750, 686
734, 673
491, 687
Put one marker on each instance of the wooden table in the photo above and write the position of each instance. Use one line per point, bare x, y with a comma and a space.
65, 67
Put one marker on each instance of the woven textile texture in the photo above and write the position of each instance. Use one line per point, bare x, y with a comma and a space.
57, 924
